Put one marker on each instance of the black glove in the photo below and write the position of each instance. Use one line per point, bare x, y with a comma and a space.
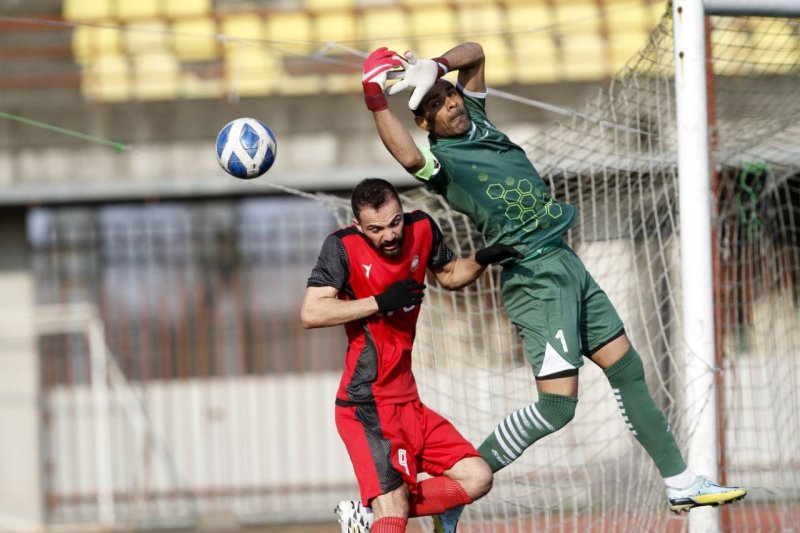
403, 293
495, 253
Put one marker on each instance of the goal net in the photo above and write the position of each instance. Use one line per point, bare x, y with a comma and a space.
616, 160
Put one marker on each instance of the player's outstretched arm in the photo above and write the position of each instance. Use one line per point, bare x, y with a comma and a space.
463, 271
322, 308
393, 133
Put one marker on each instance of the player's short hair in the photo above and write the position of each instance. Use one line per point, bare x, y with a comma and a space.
374, 193
420, 110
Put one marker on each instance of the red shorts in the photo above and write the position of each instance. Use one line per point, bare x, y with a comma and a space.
389, 444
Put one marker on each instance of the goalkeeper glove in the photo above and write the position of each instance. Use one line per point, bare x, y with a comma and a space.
496, 253
420, 74
403, 293
374, 75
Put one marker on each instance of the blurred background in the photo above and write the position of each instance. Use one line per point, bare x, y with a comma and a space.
153, 370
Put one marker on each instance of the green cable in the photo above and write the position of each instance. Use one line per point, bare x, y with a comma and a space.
116, 145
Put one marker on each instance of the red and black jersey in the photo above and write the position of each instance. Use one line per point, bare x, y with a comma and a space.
378, 362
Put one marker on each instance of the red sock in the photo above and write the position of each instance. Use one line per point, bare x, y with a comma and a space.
389, 524
436, 495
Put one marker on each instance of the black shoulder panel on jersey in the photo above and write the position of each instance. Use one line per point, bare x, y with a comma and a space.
415, 216
344, 232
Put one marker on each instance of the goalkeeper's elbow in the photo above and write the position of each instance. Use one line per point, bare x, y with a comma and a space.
414, 163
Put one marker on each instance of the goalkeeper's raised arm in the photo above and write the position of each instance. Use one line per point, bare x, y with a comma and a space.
422, 76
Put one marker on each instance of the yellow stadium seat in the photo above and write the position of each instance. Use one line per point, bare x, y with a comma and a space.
584, 57
421, 2
186, 8
141, 37
624, 47
527, 2
385, 27
252, 71
499, 64
535, 58
138, 9
575, 19
328, 4
107, 79
292, 31
528, 18
628, 18
335, 27
87, 10
434, 47
89, 42
433, 21
480, 19
653, 14
242, 26
195, 39
156, 76
194, 86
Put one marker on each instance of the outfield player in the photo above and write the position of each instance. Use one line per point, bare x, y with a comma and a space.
561, 312
369, 277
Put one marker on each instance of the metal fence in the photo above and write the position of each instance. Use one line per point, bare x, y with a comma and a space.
177, 378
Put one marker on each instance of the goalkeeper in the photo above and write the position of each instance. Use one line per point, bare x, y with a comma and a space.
561, 312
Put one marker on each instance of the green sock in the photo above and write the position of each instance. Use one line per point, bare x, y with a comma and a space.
643, 417
525, 426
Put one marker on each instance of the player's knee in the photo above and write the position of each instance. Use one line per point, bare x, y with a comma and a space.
556, 409
483, 480
627, 370
477, 477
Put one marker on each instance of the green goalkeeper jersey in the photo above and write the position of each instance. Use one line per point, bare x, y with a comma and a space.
490, 179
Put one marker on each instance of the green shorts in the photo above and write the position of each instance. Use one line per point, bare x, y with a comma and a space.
560, 310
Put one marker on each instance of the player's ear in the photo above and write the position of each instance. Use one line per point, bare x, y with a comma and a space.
357, 225
422, 122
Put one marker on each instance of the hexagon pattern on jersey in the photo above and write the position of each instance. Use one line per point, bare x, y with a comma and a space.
520, 201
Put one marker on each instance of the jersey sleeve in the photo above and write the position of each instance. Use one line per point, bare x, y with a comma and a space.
441, 254
333, 267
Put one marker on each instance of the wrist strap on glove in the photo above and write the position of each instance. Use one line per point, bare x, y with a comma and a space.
443, 64
374, 97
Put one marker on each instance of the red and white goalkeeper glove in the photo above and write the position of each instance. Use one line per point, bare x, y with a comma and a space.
420, 74
374, 75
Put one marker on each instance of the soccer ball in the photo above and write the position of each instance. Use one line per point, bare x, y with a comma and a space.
246, 148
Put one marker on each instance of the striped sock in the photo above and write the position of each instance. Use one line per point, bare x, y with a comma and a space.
525, 426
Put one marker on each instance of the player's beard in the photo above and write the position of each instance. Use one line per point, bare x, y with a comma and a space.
397, 245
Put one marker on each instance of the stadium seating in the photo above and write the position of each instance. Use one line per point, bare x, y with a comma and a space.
291, 31
87, 10
194, 39
477, 20
584, 57
89, 42
328, 4
156, 76
535, 58
186, 8
107, 79
386, 27
527, 41
335, 27
146, 36
140, 9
